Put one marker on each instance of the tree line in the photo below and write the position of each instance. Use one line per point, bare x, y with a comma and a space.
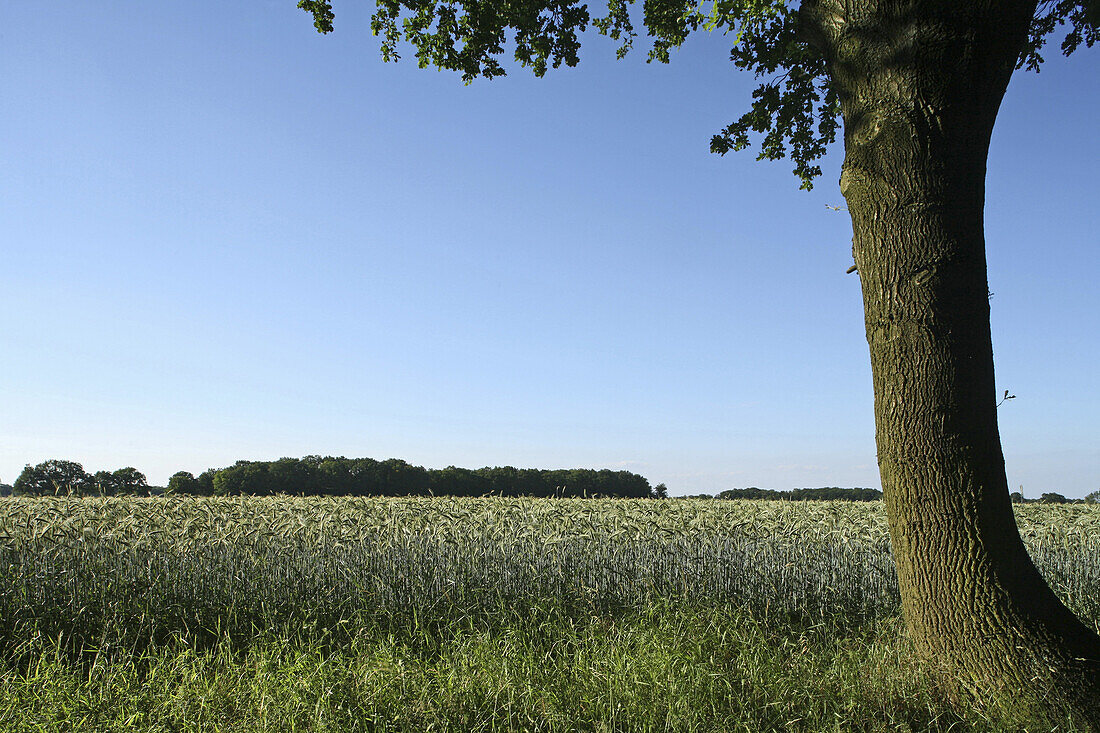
832, 493
337, 476
1053, 497
68, 478
340, 476
835, 493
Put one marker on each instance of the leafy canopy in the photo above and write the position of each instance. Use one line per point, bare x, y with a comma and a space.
795, 110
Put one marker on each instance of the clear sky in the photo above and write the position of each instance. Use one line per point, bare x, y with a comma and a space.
225, 236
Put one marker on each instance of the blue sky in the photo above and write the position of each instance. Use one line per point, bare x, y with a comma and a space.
224, 236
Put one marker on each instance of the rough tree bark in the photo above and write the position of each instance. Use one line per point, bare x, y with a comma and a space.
921, 82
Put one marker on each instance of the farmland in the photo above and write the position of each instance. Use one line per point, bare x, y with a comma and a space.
101, 581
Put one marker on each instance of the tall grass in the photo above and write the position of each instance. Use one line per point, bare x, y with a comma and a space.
673, 668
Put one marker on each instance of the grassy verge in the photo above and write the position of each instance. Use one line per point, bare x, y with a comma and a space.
666, 668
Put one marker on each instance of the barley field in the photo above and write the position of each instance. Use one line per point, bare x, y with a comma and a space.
465, 615
129, 571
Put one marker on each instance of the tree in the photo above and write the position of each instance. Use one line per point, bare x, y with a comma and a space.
183, 482
1093, 498
290, 476
660, 491
103, 483
917, 85
243, 477
129, 480
53, 478
206, 482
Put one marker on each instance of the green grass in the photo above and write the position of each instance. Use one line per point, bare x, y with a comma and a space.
666, 669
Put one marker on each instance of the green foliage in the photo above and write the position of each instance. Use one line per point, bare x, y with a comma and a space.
339, 476
322, 13
795, 110
68, 478
124, 481
669, 667
1083, 19
183, 482
829, 493
53, 478
103, 483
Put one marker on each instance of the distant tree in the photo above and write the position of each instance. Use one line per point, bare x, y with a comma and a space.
291, 476
32, 482
454, 481
501, 478
103, 483
660, 491
366, 476
400, 478
314, 475
124, 481
631, 485
131, 481
332, 477
1093, 498
206, 482
835, 493
751, 492
828, 493
53, 478
531, 482
183, 482
1017, 498
1053, 498
243, 477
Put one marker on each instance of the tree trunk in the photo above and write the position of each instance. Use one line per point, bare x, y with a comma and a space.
920, 84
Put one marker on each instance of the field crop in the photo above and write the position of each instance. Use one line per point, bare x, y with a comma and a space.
127, 571
413, 614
